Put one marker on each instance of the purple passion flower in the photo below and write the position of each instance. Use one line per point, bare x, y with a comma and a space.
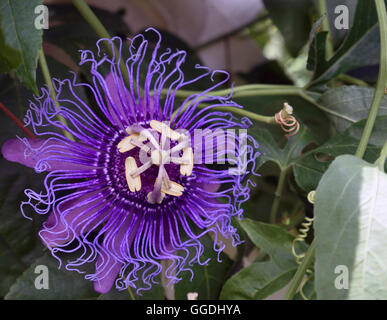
133, 187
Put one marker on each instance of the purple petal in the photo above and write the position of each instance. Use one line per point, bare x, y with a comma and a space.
107, 269
15, 150
75, 217
212, 187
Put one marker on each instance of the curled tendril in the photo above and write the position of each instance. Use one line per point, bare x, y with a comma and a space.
287, 122
303, 233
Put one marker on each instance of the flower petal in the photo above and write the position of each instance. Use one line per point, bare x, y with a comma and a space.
16, 150
107, 269
61, 228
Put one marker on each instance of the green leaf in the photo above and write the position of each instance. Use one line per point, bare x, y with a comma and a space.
274, 240
283, 157
10, 267
360, 48
208, 280
351, 102
292, 19
63, 284
317, 46
257, 281
350, 207
311, 166
20, 41
10, 58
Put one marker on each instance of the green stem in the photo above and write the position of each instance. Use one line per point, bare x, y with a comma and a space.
91, 18
101, 31
131, 293
235, 90
254, 90
277, 195
352, 80
242, 112
296, 281
381, 83
382, 158
48, 80
322, 7
241, 91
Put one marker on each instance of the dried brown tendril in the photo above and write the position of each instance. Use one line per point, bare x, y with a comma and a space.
287, 122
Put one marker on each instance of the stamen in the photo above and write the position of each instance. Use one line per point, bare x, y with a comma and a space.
174, 189
177, 160
146, 134
134, 183
159, 126
186, 169
166, 181
127, 144
160, 154
142, 169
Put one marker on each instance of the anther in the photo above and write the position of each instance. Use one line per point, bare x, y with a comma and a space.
174, 188
186, 169
159, 127
134, 183
130, 142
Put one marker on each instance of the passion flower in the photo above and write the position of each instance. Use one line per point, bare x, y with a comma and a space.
133, 186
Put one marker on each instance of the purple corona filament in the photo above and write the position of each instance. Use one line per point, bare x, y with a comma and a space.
106, 204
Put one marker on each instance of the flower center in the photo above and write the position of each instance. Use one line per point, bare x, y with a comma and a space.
157, 151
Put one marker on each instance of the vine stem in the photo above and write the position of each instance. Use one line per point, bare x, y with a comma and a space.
131, 293
48, 80
277, 195
352, 80
16, 121
381, 83
254, 90
379, 92
242, 112
91, 19
101, 31
295, 283
382, 158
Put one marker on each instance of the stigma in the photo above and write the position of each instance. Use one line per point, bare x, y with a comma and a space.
154, 144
